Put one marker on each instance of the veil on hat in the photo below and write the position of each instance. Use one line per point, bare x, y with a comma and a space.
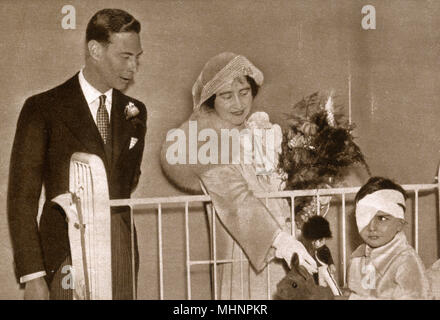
222, 68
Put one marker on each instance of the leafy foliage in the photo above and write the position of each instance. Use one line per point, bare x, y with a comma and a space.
318, 145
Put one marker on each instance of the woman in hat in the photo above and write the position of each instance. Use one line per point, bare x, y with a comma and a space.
252, 232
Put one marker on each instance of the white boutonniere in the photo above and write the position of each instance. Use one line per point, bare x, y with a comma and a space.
131, 111
133, 141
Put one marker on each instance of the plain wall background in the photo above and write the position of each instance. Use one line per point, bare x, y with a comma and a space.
301, 46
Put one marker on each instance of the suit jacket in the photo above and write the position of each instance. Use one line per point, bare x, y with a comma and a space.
51, 127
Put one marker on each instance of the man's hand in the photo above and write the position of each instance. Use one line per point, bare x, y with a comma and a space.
36, 289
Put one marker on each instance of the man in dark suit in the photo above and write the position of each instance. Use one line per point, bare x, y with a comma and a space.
88, 113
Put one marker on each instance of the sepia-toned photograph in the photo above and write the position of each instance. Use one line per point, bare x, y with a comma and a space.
220, 150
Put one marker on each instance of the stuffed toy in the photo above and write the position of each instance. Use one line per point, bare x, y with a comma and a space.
316, 230
299, 284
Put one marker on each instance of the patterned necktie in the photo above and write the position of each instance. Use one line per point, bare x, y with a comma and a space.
102, 119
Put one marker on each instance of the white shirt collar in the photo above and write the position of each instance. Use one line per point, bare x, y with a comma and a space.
91, 93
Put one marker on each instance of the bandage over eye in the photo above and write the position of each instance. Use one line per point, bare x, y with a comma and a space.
389, 201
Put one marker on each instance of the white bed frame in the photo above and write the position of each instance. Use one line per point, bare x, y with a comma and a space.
88, 183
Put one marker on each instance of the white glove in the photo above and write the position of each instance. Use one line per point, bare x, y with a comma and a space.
286, 246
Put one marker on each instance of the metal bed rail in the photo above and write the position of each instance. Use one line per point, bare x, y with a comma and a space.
185, 201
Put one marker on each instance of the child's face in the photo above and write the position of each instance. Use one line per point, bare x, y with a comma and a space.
381, 229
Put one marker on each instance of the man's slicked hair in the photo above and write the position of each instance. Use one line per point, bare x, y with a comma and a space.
108, 21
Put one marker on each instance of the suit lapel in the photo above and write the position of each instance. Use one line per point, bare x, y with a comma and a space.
121, 128
76, 115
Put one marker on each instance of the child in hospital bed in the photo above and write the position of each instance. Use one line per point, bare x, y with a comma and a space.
385, 266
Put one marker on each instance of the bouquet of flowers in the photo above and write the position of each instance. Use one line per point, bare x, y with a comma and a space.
317, 147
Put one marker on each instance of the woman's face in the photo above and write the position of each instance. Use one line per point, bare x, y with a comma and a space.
234, 101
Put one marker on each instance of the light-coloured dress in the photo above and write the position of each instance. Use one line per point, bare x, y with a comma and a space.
246, 226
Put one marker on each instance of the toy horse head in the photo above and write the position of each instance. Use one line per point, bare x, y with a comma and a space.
299, 284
